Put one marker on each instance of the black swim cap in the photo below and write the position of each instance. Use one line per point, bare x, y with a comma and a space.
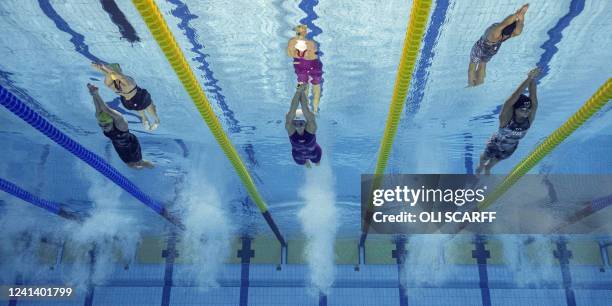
509, 29
522, 102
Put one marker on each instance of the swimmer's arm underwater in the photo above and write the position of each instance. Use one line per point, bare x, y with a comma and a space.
101, 107
291, 48
291, 114
507, 109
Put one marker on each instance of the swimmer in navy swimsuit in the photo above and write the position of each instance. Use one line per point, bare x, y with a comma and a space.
490, 42
515, 119
306, 63
116, 129
301, 128
132, 96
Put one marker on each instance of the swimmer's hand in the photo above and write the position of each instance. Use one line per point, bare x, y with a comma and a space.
533, 73
521, 12
92, 89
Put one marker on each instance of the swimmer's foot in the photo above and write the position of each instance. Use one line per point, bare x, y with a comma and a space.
154, 126
307, 164
147, 164
146, 126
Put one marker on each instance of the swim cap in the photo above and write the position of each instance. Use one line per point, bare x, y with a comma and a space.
299, 115
509, 29
300, 27
104, 119
301, 45
522, 102
114, 67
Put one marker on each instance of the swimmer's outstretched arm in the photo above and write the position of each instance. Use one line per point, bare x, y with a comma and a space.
291, 48
506, 114
101, 107
292, 108
110, 74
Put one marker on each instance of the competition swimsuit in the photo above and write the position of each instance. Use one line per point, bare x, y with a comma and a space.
484, 49
306, 70
503, 143
140, 101
305, 147
126, 144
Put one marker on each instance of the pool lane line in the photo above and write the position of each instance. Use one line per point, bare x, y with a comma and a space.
89, 295
50, 206
77, 39
170, 254
20, 109
7, 82
564, 255
412, 42
554, 37
118, 18
400, 254
481, 254
162, 34
182, 12
245, 254
421, 74
468, 153
322, 299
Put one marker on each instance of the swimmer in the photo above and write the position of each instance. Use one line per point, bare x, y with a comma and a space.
116, 129
302, 127
488, 45
306, 63
132, 96
516, 117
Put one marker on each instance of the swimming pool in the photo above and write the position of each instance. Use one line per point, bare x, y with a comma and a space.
237, 52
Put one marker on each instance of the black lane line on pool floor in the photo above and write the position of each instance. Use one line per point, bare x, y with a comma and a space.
564, 255
170, 254
245, 254
118, 18
481, 254
400, 257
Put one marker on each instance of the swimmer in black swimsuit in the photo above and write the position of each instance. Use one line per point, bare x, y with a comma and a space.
116, 129
490, 42
132, 96
515, 119
301, 127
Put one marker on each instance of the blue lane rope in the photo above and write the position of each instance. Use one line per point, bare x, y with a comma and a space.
13, 104
18, 192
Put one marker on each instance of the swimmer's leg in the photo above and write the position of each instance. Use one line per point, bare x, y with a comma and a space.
472, 74
483, 162
316, 97
144, 120
492, 162
141, 164
152, 109
307, 164
481, 72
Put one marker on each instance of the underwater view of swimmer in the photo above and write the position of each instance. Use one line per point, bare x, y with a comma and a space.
490, 42
132, 96
301, 128
115, 127
515, 119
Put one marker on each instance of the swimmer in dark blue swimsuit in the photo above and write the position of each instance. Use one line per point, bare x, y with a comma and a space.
116, 129
515, 119
301, 128
490, 42
132, 96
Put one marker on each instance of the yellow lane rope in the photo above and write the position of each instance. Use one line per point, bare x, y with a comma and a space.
160, 31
